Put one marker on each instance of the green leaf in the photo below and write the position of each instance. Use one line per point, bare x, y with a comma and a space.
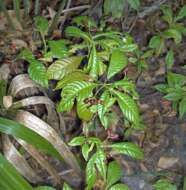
77, 75
114, 7
77, 141
129, 149
169, 59
182, 107
173, 33
61, 68
164, 184
73, 31
128, 107
10, 179
41, 24
3, 87
181, 14
100, 162
25, 54
113, 168
37, 72
83, 21
83, 111
85, 151
58, 48
155, 42
168, 15
117, 63
66, 187
93, 63
91, 173
19, 131
175, 80
161, 87
66, 104
44, 188
135, 4
119, 186
174, 96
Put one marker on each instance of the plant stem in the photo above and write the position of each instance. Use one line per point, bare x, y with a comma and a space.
44, 42
56, 17
3, 8
16, 4
27, 6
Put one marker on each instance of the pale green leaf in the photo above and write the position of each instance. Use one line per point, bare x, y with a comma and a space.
155, 42
169, 59
113, 168
41, 24
83, 111
66, 187
91, 173
119, 186
61, 68
37, 72
164, 184
128, 107
117, 63
182, 107
85, 151
135, 4
129, 149
168, 15
77, 141
77, 75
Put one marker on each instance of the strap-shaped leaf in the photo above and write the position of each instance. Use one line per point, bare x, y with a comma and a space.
74, 76
76, 32
10, 179
19, 131
66, 187
128, 107
182, 107
129, 149
37, 72
113, 168
117, 63
63, 67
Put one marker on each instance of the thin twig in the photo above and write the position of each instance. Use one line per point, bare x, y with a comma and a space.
76, 8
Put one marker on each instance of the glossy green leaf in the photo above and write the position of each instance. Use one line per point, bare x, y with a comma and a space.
91, 173
113, 168
135, 4
77, 75
181, 14
37, 72
119, 186
164, 184
10, 179
77, 141
129, 149
174, 96
19, 131
85, 151
61, 68
169, 59
175, 79
128, 107
83, 111
66, 187
182, 107
73, 31
44, 188
65, 104
41, 24
100, 162
117, 63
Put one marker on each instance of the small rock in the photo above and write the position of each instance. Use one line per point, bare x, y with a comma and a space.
167, 162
